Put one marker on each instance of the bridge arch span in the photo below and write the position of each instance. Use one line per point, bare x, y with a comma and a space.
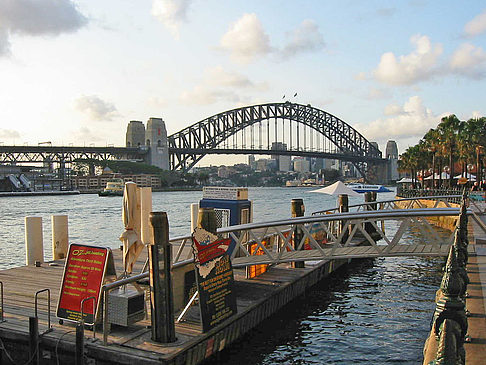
189, 145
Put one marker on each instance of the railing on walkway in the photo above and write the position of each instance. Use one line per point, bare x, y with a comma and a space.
445, 344
402, 203
412, 193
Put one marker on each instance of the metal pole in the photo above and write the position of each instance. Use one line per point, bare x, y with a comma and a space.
297, 210
34, 340
161, 300
79, 351
343, 207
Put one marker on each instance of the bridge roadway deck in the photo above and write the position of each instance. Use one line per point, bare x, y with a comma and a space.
256, 299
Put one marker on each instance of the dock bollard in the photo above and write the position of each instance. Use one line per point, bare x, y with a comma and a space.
297, 210
60, 236
343, 208
34, 241
162, 299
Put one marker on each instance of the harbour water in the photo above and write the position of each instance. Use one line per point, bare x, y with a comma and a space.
377, 311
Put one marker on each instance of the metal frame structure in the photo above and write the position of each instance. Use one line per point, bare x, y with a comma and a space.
189, 145
61, 154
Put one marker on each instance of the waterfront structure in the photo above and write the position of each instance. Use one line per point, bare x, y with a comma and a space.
98, 182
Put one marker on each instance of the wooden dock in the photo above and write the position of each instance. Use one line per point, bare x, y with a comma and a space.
257, 299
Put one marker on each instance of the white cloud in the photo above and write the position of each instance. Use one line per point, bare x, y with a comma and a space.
84, 134
393, 109
220, 84
33, 17
419, 65
246, 40
360, 76
476, 114
171, 13
411, 120
468, 60
476, 26
374, 94
95, 108
9, 134
305, 38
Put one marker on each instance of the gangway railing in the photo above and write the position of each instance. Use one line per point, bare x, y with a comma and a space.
402, 203
322, 240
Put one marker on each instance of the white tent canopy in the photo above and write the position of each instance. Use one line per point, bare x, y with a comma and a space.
444, 176
404, 180
469, 176
336, 189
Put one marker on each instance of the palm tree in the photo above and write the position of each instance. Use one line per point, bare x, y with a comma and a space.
447, 131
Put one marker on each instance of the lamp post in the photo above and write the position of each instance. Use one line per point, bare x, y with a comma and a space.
478, 163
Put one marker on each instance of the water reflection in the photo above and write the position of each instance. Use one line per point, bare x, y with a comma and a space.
370, 312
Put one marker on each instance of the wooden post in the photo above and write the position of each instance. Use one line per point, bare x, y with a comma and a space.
161, 300
206, 219
60, 240
34, 340
194, 215
343, 208
79, 350
297, 210
146, 208
34, 241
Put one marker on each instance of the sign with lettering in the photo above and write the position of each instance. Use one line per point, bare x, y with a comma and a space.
225, 193
83, 277
214, 276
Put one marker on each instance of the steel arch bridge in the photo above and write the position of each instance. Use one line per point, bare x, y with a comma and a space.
211, 135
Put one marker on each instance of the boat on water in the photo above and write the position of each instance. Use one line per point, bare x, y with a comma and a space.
114, 187
364, 188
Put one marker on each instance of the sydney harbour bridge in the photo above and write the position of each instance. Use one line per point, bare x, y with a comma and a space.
267, 129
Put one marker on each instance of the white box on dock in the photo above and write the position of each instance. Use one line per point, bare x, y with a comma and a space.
126, 307
225, 193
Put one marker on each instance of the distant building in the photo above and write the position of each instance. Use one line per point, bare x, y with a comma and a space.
301, 165
251, 162
135, 134
283, 162
98, 182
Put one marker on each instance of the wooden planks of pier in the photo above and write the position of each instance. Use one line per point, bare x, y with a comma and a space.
256, 299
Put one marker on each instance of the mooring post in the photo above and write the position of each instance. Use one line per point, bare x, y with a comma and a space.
367, 198
343, 208
79, 351
297, 210
161, 299
34, 340
60, 236
34, 242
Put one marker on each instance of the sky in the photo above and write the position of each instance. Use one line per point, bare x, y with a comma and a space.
76, 72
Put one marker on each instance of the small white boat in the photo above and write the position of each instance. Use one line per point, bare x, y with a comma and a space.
364, 188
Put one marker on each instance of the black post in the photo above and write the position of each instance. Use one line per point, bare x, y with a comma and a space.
343, 208
161, 299
367, 198
297, 210
34, 340
79, 351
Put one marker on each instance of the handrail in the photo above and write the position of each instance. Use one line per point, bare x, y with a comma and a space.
1, 302
49, 328
436, 197
395, 213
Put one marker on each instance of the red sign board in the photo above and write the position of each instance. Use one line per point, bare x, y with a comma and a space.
83, 277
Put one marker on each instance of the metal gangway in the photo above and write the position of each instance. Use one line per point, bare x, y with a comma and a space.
363, 236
